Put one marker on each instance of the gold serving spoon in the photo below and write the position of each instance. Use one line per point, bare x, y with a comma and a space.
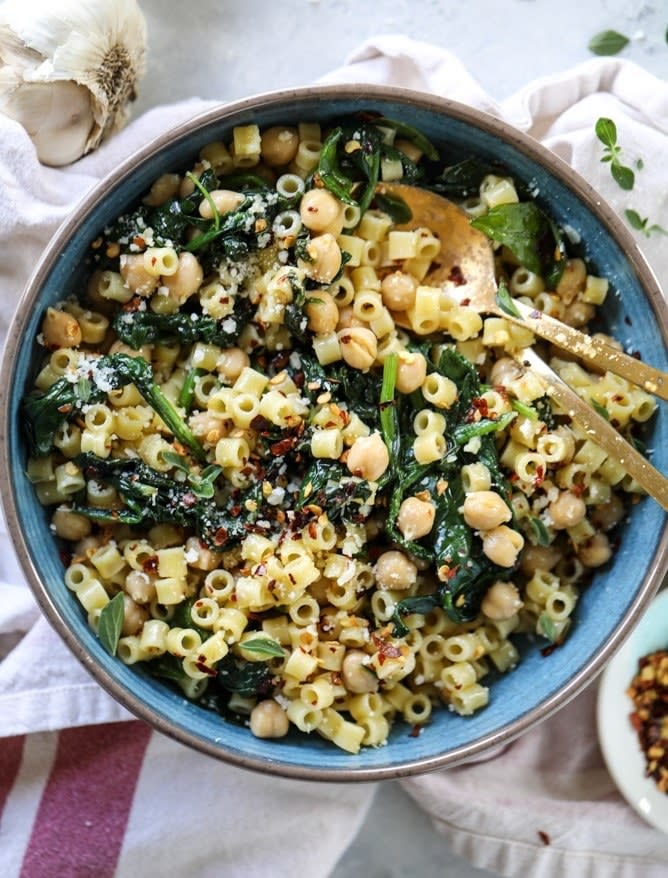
467, 252
467, 255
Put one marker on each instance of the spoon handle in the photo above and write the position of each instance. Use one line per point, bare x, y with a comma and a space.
590, 350
603, 433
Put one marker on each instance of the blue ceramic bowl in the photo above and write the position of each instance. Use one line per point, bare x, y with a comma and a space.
608, 609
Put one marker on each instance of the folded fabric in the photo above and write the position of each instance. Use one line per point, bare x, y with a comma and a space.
544, 807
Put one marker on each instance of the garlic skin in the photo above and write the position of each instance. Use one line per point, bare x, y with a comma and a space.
68, 69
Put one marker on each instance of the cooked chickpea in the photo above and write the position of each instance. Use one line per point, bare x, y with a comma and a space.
134, 274
322, 312
416, 517
206, 559
231, 364
186, 186
398, 290
140, 587
164, 188
538, 558
411, 371
269, 720
225, 200
394, 571
595, 552
134, 616
321, 211
502, 600
208, 427
325, 255
368, 457
357, 676
567, 510
359, 347
69, 525
60, 329
187, 278
502, 545
607, 515
347, 318
484, 510
278, 145
504, 371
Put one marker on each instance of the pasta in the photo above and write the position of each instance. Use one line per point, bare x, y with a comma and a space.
312, 489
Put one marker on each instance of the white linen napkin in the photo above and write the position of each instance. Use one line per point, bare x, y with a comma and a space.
560, 815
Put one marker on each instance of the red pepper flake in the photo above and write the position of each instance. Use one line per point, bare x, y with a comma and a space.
139, 241
133, 305
385, 649
64, 409
539, 477
278, 449
150, 565
220, 537
204, 668
544, 837
415, 731
456, 276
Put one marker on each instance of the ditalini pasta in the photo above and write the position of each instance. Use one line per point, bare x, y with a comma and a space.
294, 478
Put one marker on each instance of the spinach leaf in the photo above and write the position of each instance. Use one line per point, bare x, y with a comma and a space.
46, 412
328, 485
463, 179
408, 132
137, 328
529, 235
246, 678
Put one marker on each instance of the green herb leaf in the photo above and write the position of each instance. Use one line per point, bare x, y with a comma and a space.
540, 531
410, 133
110, 623
395, 207
635, 220
606, 131
546, 627
601, 409
523, 409
528, 233
263, 646
505, 301
623, 176
641, 224
607, 42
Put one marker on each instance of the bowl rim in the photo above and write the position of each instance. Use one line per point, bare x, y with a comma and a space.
223, 113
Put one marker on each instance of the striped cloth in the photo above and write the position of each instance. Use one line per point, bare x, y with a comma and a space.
88, 792
117, 800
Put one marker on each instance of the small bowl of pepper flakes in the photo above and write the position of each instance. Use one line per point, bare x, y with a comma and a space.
632, 715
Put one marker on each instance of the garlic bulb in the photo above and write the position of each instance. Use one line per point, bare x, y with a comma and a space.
68, 69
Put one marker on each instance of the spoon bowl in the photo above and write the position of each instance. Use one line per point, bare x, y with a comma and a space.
465, 269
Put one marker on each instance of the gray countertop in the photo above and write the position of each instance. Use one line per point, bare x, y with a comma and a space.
221, 49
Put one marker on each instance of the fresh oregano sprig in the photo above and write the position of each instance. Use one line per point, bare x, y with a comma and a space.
606, 131
110, 623
642, 223
608, 42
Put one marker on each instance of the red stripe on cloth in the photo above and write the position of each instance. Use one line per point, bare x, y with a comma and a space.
11, 751
81, 820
